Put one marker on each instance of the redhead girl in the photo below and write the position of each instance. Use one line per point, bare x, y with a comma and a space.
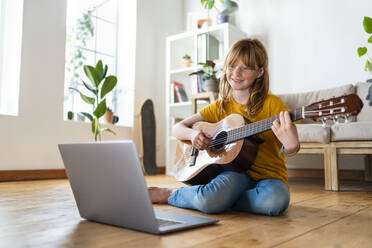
263, 188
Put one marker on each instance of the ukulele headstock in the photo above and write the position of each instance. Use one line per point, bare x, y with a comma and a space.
335, 108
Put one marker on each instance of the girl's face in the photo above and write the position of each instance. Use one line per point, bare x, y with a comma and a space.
241, 77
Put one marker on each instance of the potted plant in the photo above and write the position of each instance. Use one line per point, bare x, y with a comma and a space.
186, 60
98, 91
227, 7
70, 115
108, 117
115, 119
209, 73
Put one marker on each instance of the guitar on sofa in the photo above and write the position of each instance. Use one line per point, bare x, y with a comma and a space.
234, 142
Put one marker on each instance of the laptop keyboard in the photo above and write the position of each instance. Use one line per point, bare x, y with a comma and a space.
163, 222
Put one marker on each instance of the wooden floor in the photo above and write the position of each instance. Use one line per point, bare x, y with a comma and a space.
43, 214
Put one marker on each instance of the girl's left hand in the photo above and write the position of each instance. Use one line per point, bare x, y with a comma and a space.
286, 132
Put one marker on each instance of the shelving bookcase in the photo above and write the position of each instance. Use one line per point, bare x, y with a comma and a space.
176, 47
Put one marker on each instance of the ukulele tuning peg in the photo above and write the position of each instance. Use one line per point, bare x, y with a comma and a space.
347, 118
336, 120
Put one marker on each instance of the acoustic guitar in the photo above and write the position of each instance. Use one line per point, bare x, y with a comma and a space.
234, 142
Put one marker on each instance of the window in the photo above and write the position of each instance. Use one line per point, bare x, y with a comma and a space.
93, 33
2, 22
91, 36
10, 54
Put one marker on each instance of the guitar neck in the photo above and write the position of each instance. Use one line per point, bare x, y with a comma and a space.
259, 126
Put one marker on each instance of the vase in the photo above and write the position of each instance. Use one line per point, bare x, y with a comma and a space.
211, 85
223, 18
186, 62
108, 117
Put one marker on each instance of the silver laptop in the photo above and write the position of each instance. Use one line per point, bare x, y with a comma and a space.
109, 187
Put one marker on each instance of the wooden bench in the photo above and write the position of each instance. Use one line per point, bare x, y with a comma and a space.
330, 152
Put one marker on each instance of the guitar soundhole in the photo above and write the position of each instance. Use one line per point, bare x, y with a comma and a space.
219, 141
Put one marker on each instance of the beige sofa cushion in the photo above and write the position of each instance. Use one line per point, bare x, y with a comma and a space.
366, 112
297, 100
361, 130
313, 133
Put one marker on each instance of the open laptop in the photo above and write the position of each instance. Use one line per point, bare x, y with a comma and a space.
109, 187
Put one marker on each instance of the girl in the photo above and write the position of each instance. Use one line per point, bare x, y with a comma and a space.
244, 89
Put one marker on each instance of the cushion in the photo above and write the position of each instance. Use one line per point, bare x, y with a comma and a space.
297, 100
360, 130
313, 133
366, 112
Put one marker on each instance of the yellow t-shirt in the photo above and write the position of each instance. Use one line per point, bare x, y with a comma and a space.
268, 163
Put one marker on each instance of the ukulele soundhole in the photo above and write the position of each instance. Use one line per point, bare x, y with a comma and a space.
220, 140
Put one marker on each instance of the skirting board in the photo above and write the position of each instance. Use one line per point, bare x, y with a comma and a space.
20, 175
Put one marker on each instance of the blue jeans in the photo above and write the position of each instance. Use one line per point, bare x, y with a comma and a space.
236, 191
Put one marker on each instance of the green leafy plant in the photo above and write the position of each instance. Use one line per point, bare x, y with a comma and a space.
209, 71
186, 56
367, 24
209, 4
99, 91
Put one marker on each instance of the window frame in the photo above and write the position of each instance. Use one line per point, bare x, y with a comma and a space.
2, 29
95, 53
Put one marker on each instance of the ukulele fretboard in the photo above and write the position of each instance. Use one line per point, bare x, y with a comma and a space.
258, 127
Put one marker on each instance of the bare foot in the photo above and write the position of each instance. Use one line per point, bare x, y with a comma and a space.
160, 195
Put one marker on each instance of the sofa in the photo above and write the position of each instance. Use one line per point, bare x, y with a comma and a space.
351, 137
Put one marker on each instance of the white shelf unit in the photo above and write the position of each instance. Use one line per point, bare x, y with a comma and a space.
176, 47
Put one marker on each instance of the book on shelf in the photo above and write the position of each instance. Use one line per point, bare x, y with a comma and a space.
175, 96
179, 92
200, 81
207, 47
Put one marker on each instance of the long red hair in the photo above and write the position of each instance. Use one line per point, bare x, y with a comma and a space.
254, 55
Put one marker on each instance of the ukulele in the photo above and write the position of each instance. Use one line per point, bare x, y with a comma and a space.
234, 142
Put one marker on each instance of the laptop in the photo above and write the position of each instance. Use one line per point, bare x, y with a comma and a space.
109, 187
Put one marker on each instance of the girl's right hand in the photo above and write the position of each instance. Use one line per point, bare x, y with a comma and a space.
200, 140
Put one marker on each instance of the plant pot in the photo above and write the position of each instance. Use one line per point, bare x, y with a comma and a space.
223, 18
211, 85
186, 62
70, 115
108, 117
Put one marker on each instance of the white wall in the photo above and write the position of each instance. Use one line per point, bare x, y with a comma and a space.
155, 21
311, 45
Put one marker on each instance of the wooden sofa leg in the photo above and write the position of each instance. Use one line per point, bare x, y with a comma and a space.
368, 168
331, 169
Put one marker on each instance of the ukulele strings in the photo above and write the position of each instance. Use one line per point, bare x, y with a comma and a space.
245, 131
252, 128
